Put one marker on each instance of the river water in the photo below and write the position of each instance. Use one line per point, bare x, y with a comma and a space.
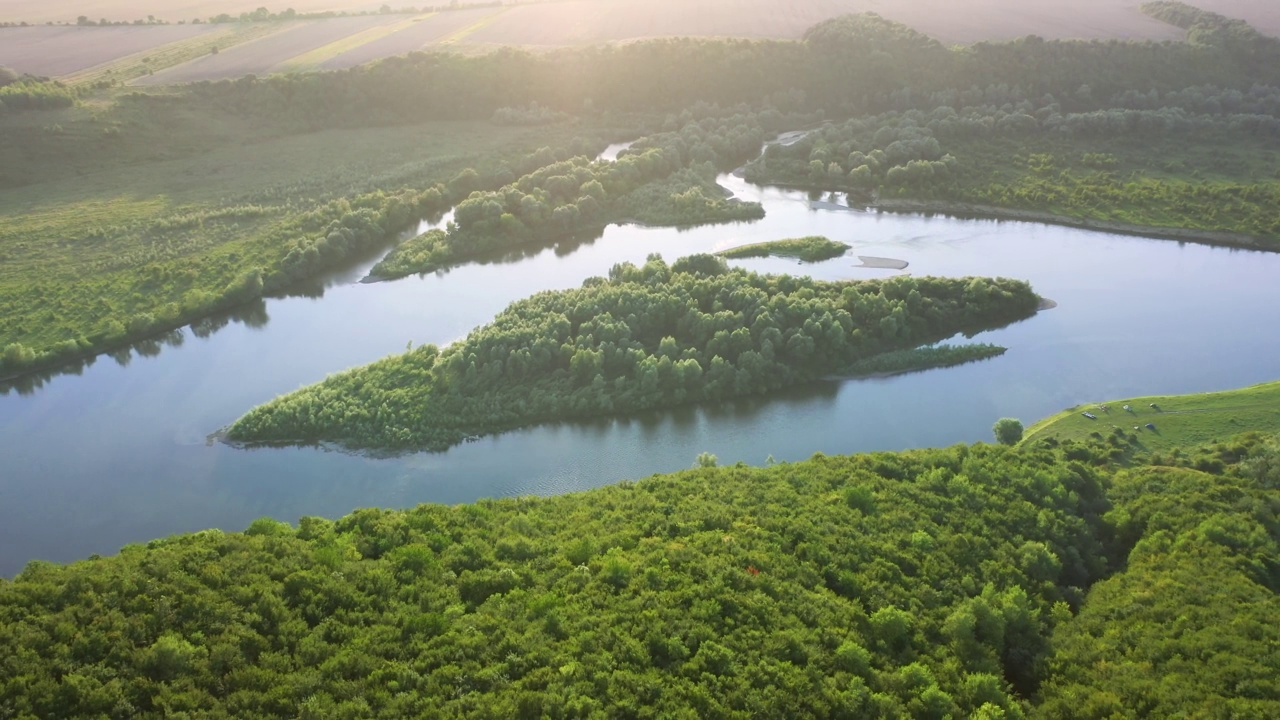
117, 454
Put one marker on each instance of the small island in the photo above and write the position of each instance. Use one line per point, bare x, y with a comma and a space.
646, 337
814, 248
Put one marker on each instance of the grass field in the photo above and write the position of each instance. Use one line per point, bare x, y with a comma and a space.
1179, 420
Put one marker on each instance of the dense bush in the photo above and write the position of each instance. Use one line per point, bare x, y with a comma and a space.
1188, 628
27, 93
885, 585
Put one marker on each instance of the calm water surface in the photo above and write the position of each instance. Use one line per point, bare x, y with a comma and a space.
118, 453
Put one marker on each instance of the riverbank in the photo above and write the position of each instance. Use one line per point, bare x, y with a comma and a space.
973, 210
1164, 422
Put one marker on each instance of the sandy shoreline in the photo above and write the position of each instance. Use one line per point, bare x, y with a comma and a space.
1206, 237
882, 263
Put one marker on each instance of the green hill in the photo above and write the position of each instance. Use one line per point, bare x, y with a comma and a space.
1179, 420
927, 584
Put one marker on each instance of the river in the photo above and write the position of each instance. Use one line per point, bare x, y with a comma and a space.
117, 454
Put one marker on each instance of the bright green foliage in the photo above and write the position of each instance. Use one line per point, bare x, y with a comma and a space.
688, 197
718, 592
808, 249
651, 336
32, 94
93, 257
1008, 431
1189, 628
664, 179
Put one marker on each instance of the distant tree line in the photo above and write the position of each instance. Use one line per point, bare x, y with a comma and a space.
856, 64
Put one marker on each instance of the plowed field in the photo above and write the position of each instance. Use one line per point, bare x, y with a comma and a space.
419, 36
260, 57
57, 51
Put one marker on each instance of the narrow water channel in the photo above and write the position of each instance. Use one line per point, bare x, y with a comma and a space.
118, 454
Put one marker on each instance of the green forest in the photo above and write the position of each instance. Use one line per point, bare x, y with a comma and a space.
1044, 581
652, 336
1119, 560
1169, 166
665, 179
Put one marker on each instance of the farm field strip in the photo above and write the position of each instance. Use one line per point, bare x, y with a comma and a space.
473, 28
260, 56
146, 62
61, 51
316, 58
420, 36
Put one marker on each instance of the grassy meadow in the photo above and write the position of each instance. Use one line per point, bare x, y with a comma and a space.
1180, 420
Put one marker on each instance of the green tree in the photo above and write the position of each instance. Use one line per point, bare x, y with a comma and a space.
1008, 431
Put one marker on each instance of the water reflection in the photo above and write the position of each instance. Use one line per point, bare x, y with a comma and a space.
109, 455
252, 314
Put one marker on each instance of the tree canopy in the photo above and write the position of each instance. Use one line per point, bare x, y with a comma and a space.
980, 581
651, 336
